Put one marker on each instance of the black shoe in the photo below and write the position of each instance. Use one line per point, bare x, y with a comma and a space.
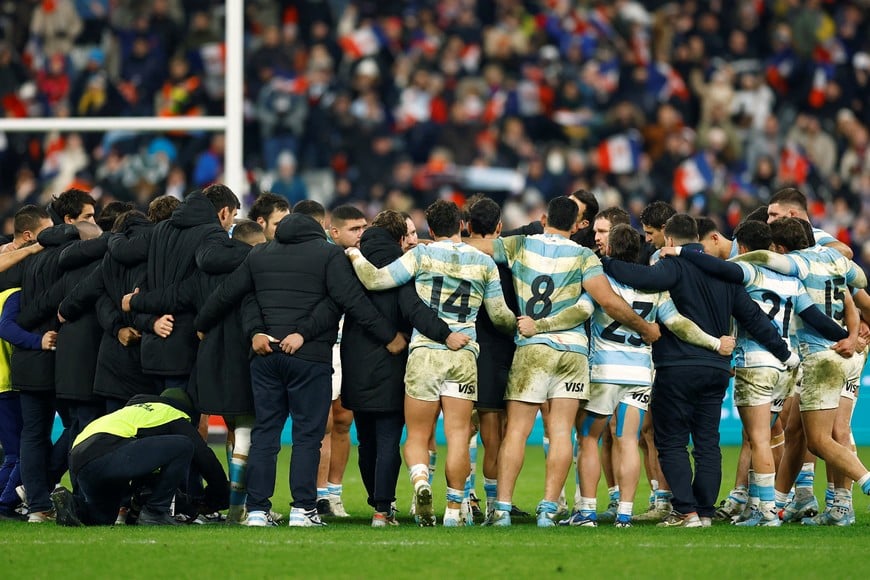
323, 507
474, 502
8, 515
518, 513
150, 518
65, 508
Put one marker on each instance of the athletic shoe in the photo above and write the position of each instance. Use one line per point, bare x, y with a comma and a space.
324, 508
151, 518
797, 511
424, 513
259, 519
384, 519
64, 508
706, 522
653, 514
212, 518
622, 521
547, 513
589, 520
300, 518
8, 515
474, 503
677, 520
731, 506
758, 519
337, 507
562, 512
836, 516
121, 518
498, 519
465, 513
40, 517
276, 517
609, 515
518, 513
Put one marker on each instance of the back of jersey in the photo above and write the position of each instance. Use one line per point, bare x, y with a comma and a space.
548, 272
453, 279
618, 354
780, 297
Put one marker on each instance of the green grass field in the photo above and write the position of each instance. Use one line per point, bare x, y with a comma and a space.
351, 549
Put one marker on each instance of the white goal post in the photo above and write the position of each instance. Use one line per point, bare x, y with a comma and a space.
231, 124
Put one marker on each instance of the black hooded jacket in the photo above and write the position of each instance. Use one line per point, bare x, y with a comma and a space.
33, 370
373, 379
188, 238
289, 276
221, 384
118, 372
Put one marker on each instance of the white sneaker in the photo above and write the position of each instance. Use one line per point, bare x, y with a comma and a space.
258, 519
337, 507
300, 518
40, 517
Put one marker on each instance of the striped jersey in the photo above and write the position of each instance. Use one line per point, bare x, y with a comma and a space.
822, 237
453, 279
548, 274
618, 354
825, 273
779, 296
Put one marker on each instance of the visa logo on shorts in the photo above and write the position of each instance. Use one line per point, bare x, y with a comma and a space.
642, 397
778, 403
851, 387
574, 387
467, 388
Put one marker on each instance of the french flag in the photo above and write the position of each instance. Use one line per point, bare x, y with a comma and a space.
794, 167
693, 175
360, 43
821, 76
619, 154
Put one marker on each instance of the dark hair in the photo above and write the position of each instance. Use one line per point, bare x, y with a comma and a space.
266, 204
310, 207
109, 214
28, 218
562, 213
245, 230
346, 213
625, 243
71, 203
789, 233
615, 215
656, 214
759, 214
123, 219
406, 215
443, 218
753, 235
221, 197
790, 196
681, 227
393, 222
483, 216
161, 208
706, 226
589, 202
808, 232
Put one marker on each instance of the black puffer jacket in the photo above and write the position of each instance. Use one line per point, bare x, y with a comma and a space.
289, 277
372, 379
33, 370
221, 384
177, 245
118, 373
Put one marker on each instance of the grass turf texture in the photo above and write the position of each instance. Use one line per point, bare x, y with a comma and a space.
350, 548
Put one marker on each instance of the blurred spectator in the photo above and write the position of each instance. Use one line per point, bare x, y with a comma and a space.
284, 181
55, 26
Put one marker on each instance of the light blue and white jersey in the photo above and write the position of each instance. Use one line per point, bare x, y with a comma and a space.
822, 237
548, 274
656, 256
779, 296
735, 251
618, 354
454, 279
825, 273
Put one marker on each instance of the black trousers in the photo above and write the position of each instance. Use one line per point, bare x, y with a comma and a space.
42, 463
380, 457
687, 401
104, 483
283, 385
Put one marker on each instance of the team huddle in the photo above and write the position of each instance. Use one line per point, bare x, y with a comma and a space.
134, 327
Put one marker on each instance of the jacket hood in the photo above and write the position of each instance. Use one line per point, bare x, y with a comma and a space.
233, 252
136, 224
57, 235
297, 228
195, 210
379, 247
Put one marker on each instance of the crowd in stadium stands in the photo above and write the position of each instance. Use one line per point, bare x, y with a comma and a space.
708, 105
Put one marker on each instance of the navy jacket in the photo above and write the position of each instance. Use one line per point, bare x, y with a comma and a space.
707, 301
